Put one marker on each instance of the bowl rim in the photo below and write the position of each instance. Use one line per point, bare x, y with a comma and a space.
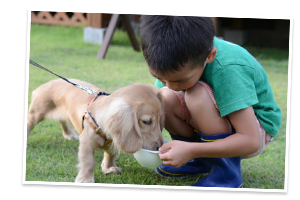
150, 151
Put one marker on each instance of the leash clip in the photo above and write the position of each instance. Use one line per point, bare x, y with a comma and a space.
87, 89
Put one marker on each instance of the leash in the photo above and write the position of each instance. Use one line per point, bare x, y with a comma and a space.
87, 114
87, 89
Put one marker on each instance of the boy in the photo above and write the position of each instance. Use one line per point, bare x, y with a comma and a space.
219, 105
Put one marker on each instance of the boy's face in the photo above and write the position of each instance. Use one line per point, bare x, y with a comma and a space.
186, 78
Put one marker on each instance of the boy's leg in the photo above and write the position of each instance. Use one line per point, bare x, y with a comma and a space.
205, 114
225, 172
176, 114
265, 141
214, 124
176, 124
183, 114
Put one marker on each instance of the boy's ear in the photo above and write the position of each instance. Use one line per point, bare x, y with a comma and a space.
211, 56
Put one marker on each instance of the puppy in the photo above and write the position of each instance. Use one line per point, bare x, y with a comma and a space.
132, 118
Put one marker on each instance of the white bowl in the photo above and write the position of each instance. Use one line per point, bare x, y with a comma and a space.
147, 158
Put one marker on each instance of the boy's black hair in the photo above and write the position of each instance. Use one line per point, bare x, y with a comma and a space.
169, 42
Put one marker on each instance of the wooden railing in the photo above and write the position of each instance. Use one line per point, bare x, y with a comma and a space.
60, 18
97, 20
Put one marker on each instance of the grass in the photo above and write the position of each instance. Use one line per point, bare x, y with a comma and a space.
51, 158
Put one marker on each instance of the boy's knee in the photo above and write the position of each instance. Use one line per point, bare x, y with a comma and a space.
169, 97
171, 101
195, 95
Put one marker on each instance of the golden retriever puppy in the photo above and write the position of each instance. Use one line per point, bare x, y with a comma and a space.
132, 118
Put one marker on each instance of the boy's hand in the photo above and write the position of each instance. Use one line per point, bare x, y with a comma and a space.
175, 153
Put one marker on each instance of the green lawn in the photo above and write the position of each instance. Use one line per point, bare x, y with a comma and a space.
51, 158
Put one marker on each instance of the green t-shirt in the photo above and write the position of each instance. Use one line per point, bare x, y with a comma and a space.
239, 81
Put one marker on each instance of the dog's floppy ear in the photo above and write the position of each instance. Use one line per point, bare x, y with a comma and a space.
122, 125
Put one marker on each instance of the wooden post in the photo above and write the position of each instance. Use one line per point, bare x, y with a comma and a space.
137, 18
88, 19
108, 36
96, 20
215, 21
110, 31
130, 33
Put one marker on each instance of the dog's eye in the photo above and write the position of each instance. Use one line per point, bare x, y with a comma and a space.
147, 122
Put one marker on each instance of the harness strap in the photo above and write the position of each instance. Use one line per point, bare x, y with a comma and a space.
96, 128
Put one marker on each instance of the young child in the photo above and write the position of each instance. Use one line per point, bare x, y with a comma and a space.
219, 105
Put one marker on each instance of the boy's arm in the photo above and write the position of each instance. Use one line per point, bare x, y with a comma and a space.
245, 141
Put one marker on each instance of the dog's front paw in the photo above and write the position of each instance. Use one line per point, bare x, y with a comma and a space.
112, 170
